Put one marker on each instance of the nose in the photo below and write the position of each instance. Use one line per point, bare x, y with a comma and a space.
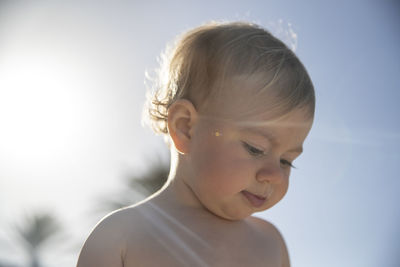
271, 174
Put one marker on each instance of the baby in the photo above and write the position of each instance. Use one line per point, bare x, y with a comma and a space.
235, 105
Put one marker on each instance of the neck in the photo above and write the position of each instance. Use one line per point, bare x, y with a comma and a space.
177, 198
177, 191
177, 194
180, 203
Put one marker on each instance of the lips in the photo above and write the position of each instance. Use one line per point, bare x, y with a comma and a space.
256, 201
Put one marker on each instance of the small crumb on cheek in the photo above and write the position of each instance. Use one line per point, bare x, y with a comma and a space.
217, 133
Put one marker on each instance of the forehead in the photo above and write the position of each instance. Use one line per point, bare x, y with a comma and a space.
298, 118
287, 132
294, 125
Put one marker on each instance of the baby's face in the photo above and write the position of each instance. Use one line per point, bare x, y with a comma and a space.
241, 165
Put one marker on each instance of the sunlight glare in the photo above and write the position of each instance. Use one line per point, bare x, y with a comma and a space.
38, 108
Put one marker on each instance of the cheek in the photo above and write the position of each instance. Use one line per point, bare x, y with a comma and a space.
223, 171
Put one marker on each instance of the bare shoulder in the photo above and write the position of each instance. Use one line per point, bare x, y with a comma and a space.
270, 230
106, 244
264, 226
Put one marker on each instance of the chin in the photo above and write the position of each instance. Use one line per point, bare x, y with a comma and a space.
237, 216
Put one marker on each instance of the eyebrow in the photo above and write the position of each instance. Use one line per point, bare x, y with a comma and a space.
270, 137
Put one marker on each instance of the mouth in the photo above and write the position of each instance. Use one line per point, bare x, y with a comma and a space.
255, 200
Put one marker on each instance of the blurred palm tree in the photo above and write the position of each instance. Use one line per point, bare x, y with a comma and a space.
138, 186
6, 264
37, 230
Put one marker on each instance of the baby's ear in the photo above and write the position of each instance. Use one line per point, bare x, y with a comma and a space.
182, 116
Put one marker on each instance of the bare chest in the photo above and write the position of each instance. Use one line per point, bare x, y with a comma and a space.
215, 246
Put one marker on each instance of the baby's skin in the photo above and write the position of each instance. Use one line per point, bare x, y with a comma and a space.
160, 233
222, 172
235, 105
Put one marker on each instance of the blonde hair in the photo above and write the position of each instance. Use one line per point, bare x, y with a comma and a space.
205, 59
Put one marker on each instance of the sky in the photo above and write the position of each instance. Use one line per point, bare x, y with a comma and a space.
72, 89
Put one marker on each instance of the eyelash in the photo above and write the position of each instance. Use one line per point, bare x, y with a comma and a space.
252, 150
288, 163
258, 152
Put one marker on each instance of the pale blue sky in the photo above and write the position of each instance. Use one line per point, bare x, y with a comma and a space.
71, 93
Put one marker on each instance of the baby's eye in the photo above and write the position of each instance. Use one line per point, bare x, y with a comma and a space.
252, 150
285, 162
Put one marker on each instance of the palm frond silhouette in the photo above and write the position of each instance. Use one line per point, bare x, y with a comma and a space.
138, 186
35, 231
